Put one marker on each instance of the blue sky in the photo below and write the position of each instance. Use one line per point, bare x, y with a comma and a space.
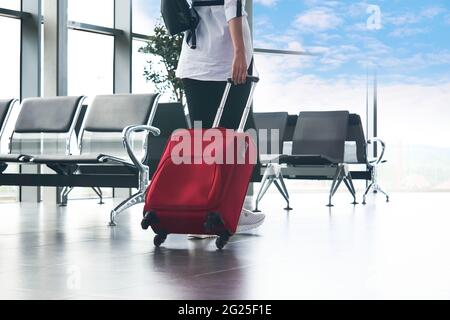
412, 43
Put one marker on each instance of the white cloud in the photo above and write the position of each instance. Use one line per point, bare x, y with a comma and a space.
407, 32
432, 12
267, 3
262, 23
328, 3
317, 19
296, 46
404, 19
334, 57
409, 18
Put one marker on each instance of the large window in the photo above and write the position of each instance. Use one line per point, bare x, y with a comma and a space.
146, 14
9, 76
90, 63
141, 63
97, 12
10, 4
140, 84
404, 42
317, 55
90, 57
91, 51
10, 58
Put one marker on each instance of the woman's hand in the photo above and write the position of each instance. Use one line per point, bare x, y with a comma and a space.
240, 68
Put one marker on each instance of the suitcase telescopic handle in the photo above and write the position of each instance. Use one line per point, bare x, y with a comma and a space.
249, 79
253, 81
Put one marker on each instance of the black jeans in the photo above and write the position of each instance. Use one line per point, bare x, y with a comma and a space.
204, 97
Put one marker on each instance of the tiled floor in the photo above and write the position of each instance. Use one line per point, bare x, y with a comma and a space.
384, 250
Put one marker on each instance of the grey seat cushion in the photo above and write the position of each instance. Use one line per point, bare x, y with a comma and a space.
48, 115
322, 134
5, 106
169, 117
356, 134
113, 113
271, 121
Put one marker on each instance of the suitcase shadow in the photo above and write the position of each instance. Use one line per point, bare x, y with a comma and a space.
199, 258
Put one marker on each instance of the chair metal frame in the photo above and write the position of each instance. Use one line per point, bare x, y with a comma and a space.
8, 115
373, 166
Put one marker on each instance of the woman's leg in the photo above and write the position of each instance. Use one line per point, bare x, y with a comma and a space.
203, 98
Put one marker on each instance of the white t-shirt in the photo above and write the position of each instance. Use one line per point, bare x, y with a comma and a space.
213, 58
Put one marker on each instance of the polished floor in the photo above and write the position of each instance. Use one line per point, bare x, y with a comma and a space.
397, 250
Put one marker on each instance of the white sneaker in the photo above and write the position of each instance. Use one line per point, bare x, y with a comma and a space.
200, 236
247, 222
250, 221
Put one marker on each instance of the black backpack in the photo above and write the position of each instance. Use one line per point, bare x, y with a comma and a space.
180, 17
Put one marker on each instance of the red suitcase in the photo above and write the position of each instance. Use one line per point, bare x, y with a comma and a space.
202, 196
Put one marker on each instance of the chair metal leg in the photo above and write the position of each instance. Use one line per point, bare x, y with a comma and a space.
264, 187
378, 189
265, 184
367, 192
283, 185
99, 193
63, 196
128, 203
375, 187
350, 186
337, 180
280, 189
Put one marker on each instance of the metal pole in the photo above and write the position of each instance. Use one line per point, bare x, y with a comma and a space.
123, 44
375, 113
30, 75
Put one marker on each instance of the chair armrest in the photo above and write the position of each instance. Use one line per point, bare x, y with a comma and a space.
380, 159
126, 134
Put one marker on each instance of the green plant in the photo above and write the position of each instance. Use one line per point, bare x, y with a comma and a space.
167, 49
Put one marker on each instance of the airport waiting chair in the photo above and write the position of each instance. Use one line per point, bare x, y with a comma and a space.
111, 122
357, 136
317, 154
43, 126
272, 129
169, 118
6, 107
290, 128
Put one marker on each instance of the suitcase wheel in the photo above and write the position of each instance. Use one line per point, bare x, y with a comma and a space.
159, 240
149, 219
222, 241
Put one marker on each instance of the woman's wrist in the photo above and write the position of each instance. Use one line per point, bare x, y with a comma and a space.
239, 51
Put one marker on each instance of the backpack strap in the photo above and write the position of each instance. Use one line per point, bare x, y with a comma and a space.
208, 3
191, 36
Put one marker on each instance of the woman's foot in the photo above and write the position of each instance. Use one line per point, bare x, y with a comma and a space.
247, 222
250, 221
200, 237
